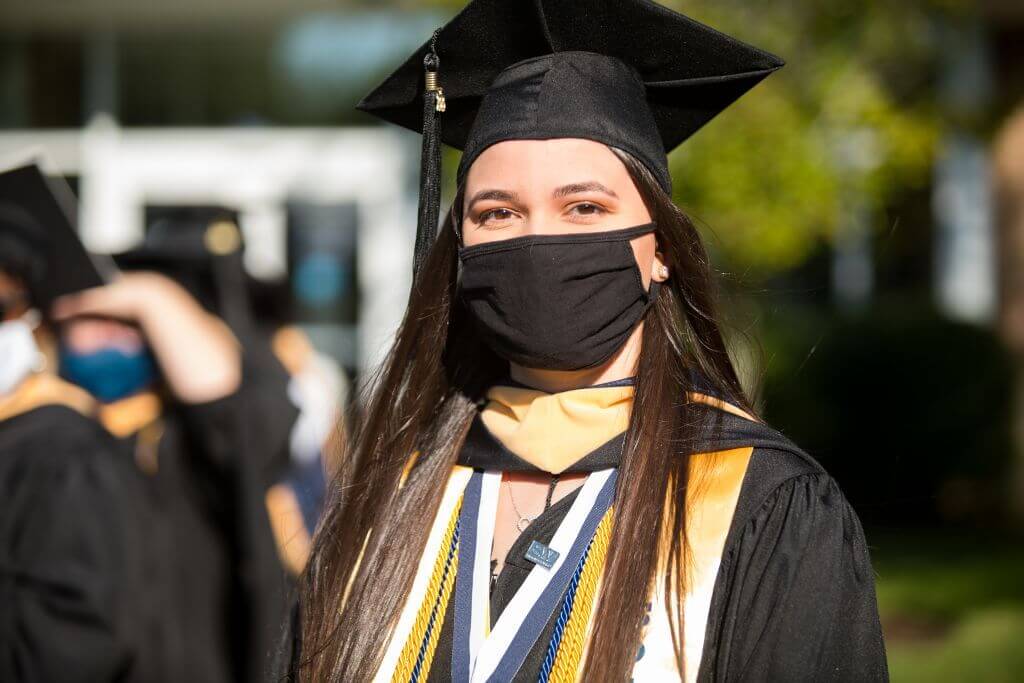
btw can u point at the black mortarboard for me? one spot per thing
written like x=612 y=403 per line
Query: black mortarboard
x=38 y=238
x=629 y=73
x=201 y=248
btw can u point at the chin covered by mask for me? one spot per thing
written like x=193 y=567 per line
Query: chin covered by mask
x=557 y=302
x=109 y=374
x=19 y=354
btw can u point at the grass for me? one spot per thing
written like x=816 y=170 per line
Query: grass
x=986 y=645
x=952 y=606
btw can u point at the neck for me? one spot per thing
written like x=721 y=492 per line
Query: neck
x=621 y=365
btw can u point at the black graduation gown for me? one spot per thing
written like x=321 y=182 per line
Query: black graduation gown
x=66 y=549
x=215 y=586
x=795 y=593
x=794 y=598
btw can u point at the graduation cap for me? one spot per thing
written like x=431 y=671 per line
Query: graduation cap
x=38 y=241
x=628 y=73
x=201 y=248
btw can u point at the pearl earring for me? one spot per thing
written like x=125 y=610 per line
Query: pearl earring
x=663 y=272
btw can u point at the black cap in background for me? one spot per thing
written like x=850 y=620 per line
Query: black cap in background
x=201 y=248
x=38 y=240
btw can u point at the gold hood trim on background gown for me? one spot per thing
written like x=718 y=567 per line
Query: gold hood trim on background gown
x=42 y=389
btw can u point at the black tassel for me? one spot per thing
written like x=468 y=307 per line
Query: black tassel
x=430 y=160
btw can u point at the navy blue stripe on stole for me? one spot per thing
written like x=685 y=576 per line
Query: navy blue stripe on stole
x=538 y=616
x=469 y=516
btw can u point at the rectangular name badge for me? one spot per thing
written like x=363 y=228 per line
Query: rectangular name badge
x=538 y=553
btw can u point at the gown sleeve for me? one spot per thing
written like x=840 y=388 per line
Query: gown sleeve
x=62 y=565
x=800 y=600
x=249 y=428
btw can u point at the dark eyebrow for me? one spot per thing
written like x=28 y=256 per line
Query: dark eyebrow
x=497 y=195
x=589 y=186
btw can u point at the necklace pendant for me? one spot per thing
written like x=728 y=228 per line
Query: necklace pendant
x=523 y=523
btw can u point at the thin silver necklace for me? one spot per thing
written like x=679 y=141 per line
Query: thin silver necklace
x=525 y=521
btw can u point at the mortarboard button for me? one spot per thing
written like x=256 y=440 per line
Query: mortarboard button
x=222 y=238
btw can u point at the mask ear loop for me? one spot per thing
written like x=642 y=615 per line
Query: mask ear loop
x=654 y=288
x=652 y=292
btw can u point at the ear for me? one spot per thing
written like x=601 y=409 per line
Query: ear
x=659 y=271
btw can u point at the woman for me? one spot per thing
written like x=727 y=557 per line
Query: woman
x=589 y=494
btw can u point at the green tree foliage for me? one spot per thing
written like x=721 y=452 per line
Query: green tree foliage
x=853 y=113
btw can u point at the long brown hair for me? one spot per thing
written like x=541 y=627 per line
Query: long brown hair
x=414 y=420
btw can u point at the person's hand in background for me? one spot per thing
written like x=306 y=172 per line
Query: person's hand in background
x=198 y=355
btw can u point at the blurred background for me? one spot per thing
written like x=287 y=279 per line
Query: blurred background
x=865 y=206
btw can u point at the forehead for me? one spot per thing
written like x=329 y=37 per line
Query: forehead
x=524 y=164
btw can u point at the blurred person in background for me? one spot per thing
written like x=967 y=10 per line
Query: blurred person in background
x=319 y=388
x=206 y=420
x=559 y=475
x=202 y=249
x=1008 y=172
x=69 y=547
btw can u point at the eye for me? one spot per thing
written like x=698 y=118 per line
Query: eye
x=498 y=215
x=587 y=209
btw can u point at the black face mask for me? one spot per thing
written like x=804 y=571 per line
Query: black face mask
x=556 y=302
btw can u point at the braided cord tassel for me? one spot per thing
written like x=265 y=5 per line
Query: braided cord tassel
x=418 y=651
x=563 y=618
x=573 y=638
